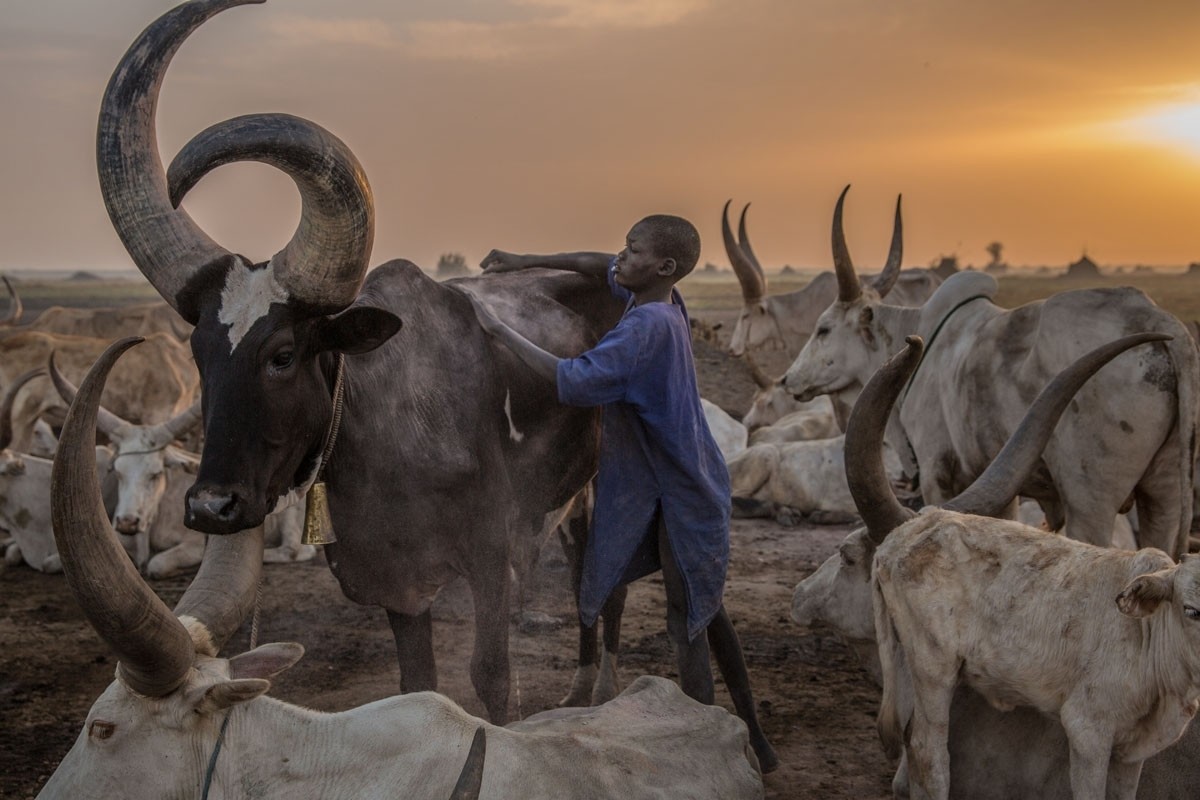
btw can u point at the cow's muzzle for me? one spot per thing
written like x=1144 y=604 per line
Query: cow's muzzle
x=218 y=510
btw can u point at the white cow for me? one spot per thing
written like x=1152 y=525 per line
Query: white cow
x=772 y=403
x=787 y=320
x=160 y=725
x=1132 y=430
x=795 y=478
x=1021 y=616
x=729 y=433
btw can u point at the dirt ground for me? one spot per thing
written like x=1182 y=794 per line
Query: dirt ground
x=816 y=704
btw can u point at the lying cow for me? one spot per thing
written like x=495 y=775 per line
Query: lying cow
x=772 y=402
x=1115 y=683
x=729 y=433
x=25 y=492
x=159 y=729
x=1133 y=431
x=152 y=477
x=795 y=479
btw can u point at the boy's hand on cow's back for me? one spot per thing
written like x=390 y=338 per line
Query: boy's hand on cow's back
x=487 y=319
x=501 y=261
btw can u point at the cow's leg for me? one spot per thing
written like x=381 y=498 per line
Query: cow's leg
x=1160 y=495
x=491 y=590
x=1091 y=749
x=1123 y=777
x=174 y=560
x=414 y=651
x=727 y=649
x=928 y=745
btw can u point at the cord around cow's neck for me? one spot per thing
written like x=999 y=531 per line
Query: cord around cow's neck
x=339 y=387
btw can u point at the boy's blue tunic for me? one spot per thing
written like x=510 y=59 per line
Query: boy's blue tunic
x=655 y=450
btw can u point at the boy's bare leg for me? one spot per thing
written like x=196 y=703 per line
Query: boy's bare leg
x=695 y=671
x=727 y=649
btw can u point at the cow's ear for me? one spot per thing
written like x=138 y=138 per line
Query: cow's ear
x=173 y=459
x=357 y=330
x=1143 y=595
x=265 y=661
x=226 y=694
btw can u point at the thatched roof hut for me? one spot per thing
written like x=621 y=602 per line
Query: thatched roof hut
x=1083 y=268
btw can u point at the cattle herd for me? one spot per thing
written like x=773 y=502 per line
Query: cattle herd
x=1015 y=660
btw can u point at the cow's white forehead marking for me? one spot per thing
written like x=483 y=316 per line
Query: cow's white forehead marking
x=247 y=297
x=513 y=433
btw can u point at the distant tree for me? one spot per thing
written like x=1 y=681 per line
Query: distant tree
x=994 y=249
x=451 y=265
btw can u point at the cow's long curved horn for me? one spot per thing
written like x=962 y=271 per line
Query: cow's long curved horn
x=849 y=289
x=324 y=263
x=744 y=244
x=154 y=648
x=470 y=780
x=891 y=270
x=222 y=594
x=15 y=307
x=112 y=425
x=991 y=492
x=868 y=480
x=754 y=286
x=761 y=380
x=6 y=404
x=165 y=243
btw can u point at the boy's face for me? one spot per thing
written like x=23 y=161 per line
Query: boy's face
x=639 y=267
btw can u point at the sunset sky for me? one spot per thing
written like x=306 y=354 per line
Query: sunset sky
x=549 y=125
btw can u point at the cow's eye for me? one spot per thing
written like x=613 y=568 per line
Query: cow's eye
x=1191 y=612
x=283 y=359
x=822 y=331
x=99 y=729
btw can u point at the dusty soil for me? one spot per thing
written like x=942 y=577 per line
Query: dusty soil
x=816 y=704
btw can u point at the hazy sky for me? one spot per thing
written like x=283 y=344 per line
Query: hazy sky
x=548 y=125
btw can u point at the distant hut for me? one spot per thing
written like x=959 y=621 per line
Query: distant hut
x=1083 y=268
x=83 y=275
x=1193 y=270
x=788 y=269
x=946 y=266
x=710 y=268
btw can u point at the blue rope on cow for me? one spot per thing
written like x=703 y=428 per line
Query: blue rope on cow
x=212 y=760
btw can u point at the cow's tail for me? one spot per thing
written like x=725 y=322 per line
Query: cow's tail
x=890 y=661
x=1186 y=360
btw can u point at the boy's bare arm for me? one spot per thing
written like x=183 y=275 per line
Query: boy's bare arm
x=591 y=264
x=543 y=363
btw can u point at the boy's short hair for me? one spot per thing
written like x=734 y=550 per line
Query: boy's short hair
x=674 y=237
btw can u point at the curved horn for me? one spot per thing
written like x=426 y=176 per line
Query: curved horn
x=166 y=244
x=324 y=263
x=179 y=425
x=6 y=405
x=15 y=308
x=761 y=380
x=744 y=244
x=891 y=270
x=470 y=780
x=112 y=425
x=222 y=594
x=849 y=289
x=992 y=491
x=754 y=285
x=869 y=484
x=154 y=648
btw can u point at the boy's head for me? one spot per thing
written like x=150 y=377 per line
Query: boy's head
x=659 y=249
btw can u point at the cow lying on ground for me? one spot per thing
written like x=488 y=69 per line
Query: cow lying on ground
x=25 y=492
x=729 y=433
x=1132 y=432
x=1022 y=617
x=793 y=480
x=157 y=727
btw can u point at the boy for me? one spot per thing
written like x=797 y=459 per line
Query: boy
x=662 y=494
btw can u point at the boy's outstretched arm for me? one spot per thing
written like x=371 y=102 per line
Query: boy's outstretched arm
x=592 y=264
x=543 y=363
